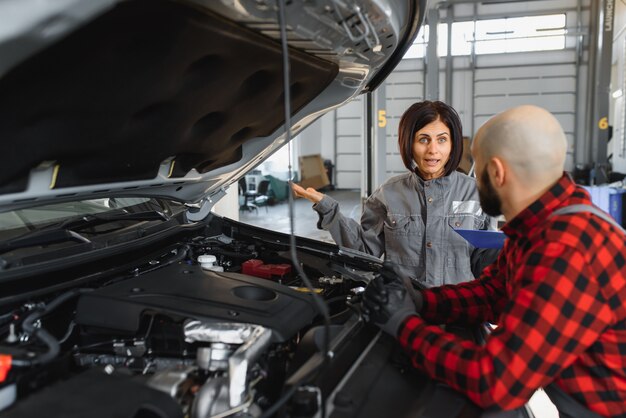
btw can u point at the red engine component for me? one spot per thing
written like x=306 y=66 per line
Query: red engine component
x=5 y=366
x=257 y=268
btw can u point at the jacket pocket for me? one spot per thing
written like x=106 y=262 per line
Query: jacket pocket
x=465 y=221
x=402 y=225
x=463 y=209
x=403 y=239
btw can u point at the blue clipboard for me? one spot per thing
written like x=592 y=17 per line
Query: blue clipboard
x=483 y=239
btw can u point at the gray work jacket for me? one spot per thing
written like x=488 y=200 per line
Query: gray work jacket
x=412 y=222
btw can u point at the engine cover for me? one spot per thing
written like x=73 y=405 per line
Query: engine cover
x=187 y=291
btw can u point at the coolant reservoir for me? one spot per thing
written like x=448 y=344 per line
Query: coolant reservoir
x=207 y=262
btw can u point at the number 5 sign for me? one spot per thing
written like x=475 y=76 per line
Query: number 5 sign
x=382 y=118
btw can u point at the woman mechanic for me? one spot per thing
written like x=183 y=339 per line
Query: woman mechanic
x=411 y=218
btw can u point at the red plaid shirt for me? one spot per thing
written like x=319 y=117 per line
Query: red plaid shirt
x=558 y=295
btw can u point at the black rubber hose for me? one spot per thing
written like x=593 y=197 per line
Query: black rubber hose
x=54 y=347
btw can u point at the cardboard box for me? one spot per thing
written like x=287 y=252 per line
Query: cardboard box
x=312 y=172
x=316 y=182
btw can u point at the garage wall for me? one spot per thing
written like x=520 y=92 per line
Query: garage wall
x=349 y=140
x=482 y=86
x=317 y=138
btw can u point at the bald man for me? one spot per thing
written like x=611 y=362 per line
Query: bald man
x=557 y=292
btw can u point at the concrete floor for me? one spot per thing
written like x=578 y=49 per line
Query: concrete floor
x=276 y=217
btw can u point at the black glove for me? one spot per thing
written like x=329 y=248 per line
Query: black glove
x=387 y=305
x=389 y=275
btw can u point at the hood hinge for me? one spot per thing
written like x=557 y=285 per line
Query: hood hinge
x=198 y=211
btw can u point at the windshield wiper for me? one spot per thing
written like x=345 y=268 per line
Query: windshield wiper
x=63 y=231
x=84 y=221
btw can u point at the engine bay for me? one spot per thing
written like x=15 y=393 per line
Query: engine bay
x=213 y=326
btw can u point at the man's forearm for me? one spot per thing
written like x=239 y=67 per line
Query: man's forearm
x=469 y=303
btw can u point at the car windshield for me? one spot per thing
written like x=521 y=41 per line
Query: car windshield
x=17 y=222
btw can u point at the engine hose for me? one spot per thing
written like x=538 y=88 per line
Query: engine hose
x=53 y=345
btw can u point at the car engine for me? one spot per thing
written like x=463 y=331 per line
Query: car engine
x=213 y=327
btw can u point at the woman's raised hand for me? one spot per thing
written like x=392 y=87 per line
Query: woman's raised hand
x=309 y=194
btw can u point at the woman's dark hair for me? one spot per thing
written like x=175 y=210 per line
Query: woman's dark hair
x=421 y=114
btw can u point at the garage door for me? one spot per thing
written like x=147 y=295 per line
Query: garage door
x=551 y=86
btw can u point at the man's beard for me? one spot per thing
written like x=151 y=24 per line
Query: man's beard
x=489 y=199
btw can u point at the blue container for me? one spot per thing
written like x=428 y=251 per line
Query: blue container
x=609 y=199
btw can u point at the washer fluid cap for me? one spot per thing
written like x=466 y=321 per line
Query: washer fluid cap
x=206 y=259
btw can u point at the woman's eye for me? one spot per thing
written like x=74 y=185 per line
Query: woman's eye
x=423 y=140
x=442 y=140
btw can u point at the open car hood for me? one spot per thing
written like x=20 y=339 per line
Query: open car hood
x=174 y=99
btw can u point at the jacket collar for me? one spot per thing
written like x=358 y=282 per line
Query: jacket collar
x=443 y=180
x=538 y=211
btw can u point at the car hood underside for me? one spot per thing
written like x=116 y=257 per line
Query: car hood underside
x=144 y=83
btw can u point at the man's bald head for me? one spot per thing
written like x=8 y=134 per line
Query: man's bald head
x=529 y=139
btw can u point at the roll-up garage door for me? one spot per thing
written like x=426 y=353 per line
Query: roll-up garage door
x=551 y=86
